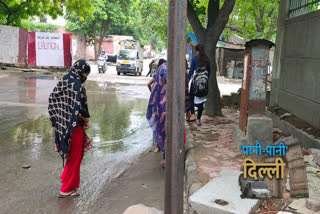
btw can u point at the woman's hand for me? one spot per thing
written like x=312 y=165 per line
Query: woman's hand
x=86 y=125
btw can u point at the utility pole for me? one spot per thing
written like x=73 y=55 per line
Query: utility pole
x=175 y=106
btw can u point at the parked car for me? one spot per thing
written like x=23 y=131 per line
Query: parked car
x=112 y=58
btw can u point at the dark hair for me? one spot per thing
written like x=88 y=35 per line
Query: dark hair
x=203 y=58
x=161 y=61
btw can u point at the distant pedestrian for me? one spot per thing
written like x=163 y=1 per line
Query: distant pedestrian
x=149 y=84
x=69 y=115
x=150 y=68
x=200 y=61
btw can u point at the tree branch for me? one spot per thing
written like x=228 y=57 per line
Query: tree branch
x=195 y=23
x=234 y=28
x=11 y=11
x=222 y=19
x=5 y=5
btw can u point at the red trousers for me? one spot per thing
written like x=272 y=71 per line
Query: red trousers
x=71 y=173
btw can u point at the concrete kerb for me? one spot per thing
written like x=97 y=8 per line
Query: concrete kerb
x=192 y=177
x=307 y=140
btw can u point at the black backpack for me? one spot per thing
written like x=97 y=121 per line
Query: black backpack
x=200 y=82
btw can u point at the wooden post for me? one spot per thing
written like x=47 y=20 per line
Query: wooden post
x=175 y=107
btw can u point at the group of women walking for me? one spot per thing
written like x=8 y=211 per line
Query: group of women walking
x=69 y=115
x=156 y=113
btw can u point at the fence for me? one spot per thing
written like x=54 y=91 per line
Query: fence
x=300 y=7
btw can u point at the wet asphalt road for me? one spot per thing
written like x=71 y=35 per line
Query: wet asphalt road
x=119 y=131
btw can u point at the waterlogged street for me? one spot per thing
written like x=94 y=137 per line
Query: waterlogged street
x=118 y=172
x=119 y=131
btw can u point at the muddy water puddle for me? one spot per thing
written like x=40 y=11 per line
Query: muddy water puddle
x=119 y=132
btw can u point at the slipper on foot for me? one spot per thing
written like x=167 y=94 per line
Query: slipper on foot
x=71 y=194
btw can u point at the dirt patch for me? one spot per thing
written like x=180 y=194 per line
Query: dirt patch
x=271 y=206
x=296 y=122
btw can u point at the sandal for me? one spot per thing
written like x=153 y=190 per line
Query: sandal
x=156 y=150
x=192 y=118
x=199 y=123
x=163 y=163
x=72 y=194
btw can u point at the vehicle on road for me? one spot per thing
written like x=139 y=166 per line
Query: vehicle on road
x=102 y=64
x=112 y=58
x=130 y=58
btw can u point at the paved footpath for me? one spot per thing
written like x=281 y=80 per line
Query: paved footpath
x=214 y=149
x=143 y=183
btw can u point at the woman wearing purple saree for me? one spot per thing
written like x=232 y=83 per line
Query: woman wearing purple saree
x=156 y=113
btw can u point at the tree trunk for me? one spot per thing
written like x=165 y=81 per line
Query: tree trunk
x=94 y=39
x=101 y=36
x=104 y=26
x=213 y=105
x=218 y=18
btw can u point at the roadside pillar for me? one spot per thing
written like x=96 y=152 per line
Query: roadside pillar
x=175 y=107
x=254 y=125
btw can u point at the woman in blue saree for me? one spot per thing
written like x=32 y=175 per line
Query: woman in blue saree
x=156 y=113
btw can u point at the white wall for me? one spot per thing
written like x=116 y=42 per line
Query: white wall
x=9 y=44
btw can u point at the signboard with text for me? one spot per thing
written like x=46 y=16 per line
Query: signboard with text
x=49 y=49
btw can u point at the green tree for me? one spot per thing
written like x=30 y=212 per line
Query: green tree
x=13 y=11
x=255 y=19
x=155 y=17
x=105 y=13
x=208 y=18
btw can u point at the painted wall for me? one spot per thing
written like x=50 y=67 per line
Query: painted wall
x=13 y=43
x=110 y=45
x=296 y=74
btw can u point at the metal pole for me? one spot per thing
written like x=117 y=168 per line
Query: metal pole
x=175 y=107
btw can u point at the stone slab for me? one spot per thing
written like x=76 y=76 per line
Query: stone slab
x=239 y=138
x=300 y=207
x=313 y=204
x=260 y=129
x=224 y=187
x=142 y=209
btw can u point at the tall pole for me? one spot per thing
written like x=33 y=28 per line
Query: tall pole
x=175 y=107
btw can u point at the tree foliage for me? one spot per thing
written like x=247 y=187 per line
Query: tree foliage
x=155 y=16
x=105 y=14
x=255 y=18
x=121 y=17
x=42 y=27
x=12 y=12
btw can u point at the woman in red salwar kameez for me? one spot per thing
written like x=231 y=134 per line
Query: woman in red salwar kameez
x=68 y=110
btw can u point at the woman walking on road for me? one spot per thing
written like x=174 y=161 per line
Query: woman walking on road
x=149 y=84
x=156 y=113
x=200 y=60
x=69 y=115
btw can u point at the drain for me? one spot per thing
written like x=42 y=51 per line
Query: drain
x=221 y=202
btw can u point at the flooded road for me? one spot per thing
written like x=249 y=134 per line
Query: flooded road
x=119 y=132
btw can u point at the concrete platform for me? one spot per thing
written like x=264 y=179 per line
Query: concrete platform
x=225 y=187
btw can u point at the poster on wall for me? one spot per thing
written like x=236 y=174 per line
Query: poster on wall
x=49 y=49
